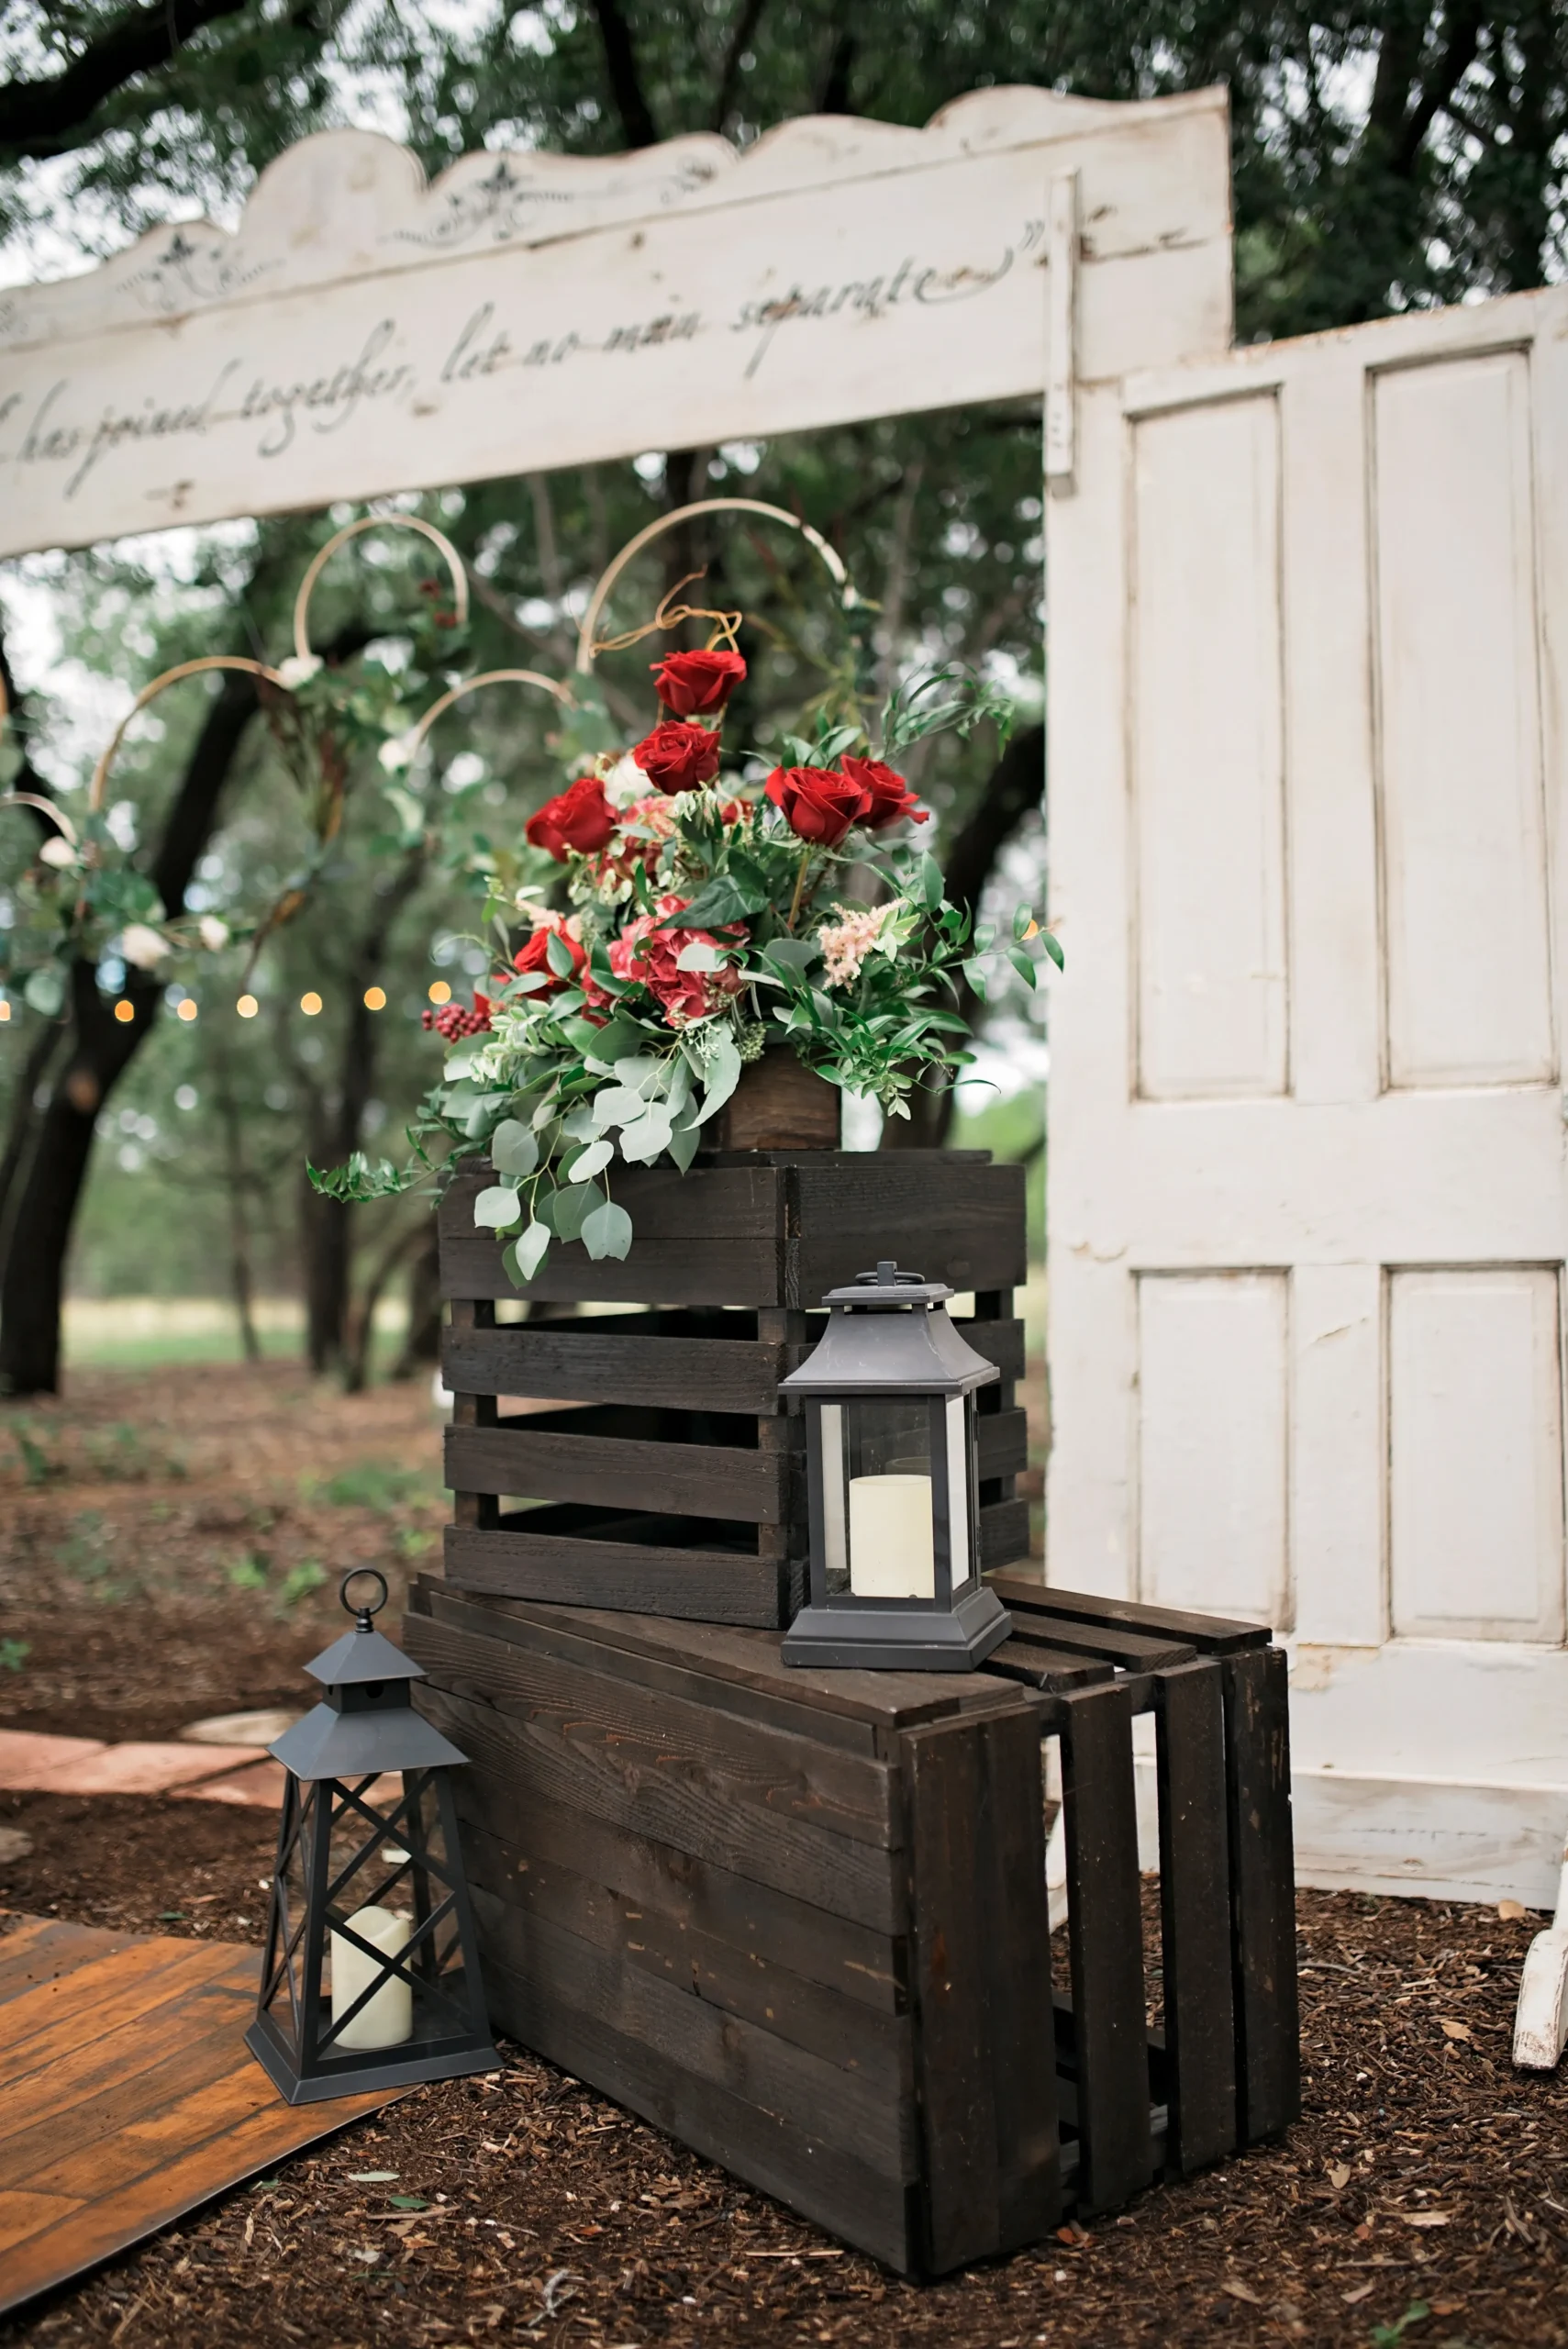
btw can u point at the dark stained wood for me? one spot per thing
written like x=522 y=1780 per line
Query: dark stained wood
x=1001 y=1342
x=770 y=1779
x=982 y=1965
x=608 y=1359
x=656 y=1272
x=127 y=2094
x=1134 y=1651
x=1207 y=1634
x=1004 y=1532
x=741 y=1201
x=552 y=1755
x=1002 y=1443
x=540 y=1458
x=1053 y=1669
x=739 y=1665
x=537 y=1558
x=1263 y=1893
x=965 y=1223
x=1105 y=1930
x=794 y=2163
x=1194 y=1896
x=779 y=1104
x=726 y=2050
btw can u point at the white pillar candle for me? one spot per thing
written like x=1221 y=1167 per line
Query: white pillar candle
x=387 y=2019
x=892 y=1543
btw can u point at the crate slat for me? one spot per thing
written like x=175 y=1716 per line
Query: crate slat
x=604 y=1359
x=1207 y=1635
x=571 y=1568
x=676 y=1479
x=1194 y=1901
x=1262 y=1892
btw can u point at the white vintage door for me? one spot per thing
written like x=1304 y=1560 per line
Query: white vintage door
x=1308 y=661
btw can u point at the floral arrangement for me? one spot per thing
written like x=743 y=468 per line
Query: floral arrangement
x=678 y=921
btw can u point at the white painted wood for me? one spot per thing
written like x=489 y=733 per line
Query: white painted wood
x=1213 y=1380
x=1339 y=1455
x=1406 y=1181
x=1475 y=1427
x=1061 y=383
x=1540 y=2024
x=1204 y=611
x=361 y=333
x=1464 y=857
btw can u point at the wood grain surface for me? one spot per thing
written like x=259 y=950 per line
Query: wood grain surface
x=127 y=2094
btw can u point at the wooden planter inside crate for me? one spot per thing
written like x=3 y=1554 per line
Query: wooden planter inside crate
x=799 y=1918
x=671 y=1481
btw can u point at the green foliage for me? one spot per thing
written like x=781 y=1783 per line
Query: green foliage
x=368 y=1484
x=37 y=1466
x=299 y=1582
x=13 y=1654
x=1389 y=2336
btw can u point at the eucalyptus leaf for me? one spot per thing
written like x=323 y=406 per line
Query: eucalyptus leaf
x=590 y=1162
x=721 y=1075
x=570 y=1204
x=606 y=1232
x=699 y=956
x=522 y=1257
x=650 y=1135
x=792 y=954
x=682 y=1142
x=497 y=1208
x=513 y=1150
x=618 y=1105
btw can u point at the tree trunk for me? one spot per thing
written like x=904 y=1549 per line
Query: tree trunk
x=422 y=1340
x=32 y=1286
x=237 y=1183
x=1014 y=788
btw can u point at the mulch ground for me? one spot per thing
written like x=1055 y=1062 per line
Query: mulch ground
x=1423 y=2198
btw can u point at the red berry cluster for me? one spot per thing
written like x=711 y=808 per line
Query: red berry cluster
x=454 y=1023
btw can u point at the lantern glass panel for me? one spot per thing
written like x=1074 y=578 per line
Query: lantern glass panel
x=960 y=1495
x=879 y=1523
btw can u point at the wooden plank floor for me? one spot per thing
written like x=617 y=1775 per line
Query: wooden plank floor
x=127 y=2094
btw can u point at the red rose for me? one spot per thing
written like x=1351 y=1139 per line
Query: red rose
x=678 y=758
x=650 y=953
x=535 y=955
x=580 y=818
x=693 y=684
x=890 y=794
x=818 y=803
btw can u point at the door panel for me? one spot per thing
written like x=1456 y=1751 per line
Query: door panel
x=1475 y=1454
x=1207 y=772
x=1469 y=993
x=1212 y=1381
x=1354 y=546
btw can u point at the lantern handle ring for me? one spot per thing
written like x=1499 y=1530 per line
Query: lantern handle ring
x=362 y=1614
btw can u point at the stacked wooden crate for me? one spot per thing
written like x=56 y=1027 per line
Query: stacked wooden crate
x=799 y=1918
x=668 y=1478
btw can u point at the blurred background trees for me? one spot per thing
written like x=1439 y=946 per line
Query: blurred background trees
x=1384 y=155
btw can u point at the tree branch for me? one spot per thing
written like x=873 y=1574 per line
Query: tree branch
x=626 y=83
x=43 y=117
x=739 y=41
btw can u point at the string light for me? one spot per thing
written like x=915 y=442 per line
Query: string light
x=247 y=1006
x=440 y=992
x=186 y=1009
x=375 y=998
x=310 y=1004
x=124 y=1010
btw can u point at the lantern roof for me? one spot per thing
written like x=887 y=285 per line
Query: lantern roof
x=889 y=1332
x=362 y=1655
x=331 y=1744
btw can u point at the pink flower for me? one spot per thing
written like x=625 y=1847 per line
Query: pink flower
x=648 y=952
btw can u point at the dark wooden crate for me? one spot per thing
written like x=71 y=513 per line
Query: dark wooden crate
x=798 y=1920
x=669 y=1478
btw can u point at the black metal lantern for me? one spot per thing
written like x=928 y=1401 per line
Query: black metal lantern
x=370 y=1975
x=889 y=1395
